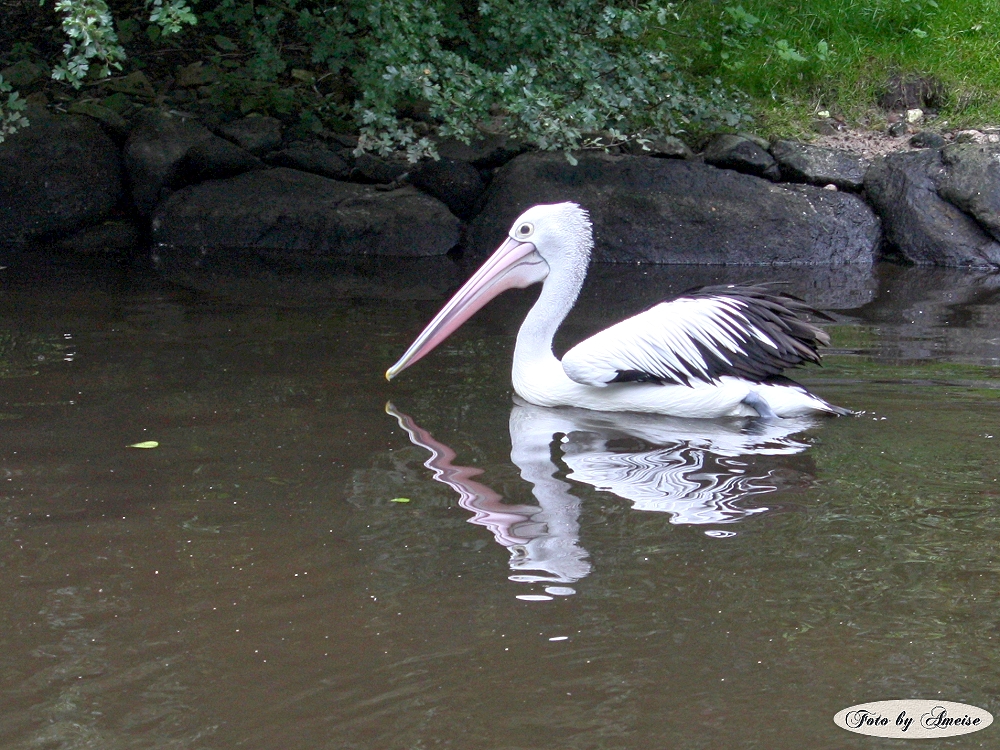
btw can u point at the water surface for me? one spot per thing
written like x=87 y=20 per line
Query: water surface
x=555 y=578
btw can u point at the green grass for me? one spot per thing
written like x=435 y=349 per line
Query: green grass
x=794 y=59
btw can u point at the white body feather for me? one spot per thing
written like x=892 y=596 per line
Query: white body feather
x=542 y=381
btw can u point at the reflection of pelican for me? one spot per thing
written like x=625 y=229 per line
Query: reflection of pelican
x=713 y=352
x=542 y=538
x=694 y=470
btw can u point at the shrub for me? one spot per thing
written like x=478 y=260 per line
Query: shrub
x=557 y=75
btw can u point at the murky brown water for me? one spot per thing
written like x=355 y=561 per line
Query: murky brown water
x=601 y=582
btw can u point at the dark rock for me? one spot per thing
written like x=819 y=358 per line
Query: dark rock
x=344 y=141
x=912 y=92
x=674 y=211
x=109 y=238
x=195 y=74
x=36 y=107
x=312 y=157
x=24 y=73
x=457 y=184
x=134 y=84
x=213 y=159
x=372 y=170
x=742 y=154
x=120 y=104
x=56 y=176
x=256 y=134
x=296 y=212
x=970 y=136
x=921 y=226
x=113 y=122
x=800 y=162
x=898 y=129
x=972 y=182
x=927 y=139
x=153 y=151
x=759 y=140
x=486 y=153
x=825 y=126
x=660 y=147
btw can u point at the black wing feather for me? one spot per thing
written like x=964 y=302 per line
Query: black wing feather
x=744 y=313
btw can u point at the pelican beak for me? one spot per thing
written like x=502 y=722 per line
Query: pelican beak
x=514 y=264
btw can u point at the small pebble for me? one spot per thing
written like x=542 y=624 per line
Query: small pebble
x=969 y=136
x=926 y=139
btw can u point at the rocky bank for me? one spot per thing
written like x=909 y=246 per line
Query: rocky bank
x=243 y=204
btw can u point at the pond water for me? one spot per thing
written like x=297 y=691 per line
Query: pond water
x=554 y=578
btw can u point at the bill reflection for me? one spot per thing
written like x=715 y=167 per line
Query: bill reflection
x=697 y=471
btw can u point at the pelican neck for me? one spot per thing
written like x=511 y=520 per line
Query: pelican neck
x=534 y=340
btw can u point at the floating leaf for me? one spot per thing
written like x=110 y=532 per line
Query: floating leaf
x=145 y=444
x=400 y=500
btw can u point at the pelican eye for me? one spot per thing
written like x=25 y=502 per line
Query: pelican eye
x=524 y=230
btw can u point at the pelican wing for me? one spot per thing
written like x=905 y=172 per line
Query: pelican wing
x=746 y=331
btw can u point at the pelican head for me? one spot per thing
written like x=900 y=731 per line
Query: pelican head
x=551 y=239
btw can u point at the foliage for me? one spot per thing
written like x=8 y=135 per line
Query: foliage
x=11 y=111
x=580 y=74
x=92 y=38
x=568 y=75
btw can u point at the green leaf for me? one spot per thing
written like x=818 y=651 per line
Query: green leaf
x=400 y=500
x=224 y=43
x=145 y=444
x=787 y=52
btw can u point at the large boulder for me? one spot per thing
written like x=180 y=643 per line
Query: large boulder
x=919 y=224
x=313 y=157
x=289 y=211
x=153 y=152
x=375 y=171
x=109 y=238
x=972 y=182
x=57 y=175
x=457 y=184
x=659 y=147
x=213 y=159
x=801 y=162
x=674 y=211
x=742 y=154
x=488 y=152
x=255 y=133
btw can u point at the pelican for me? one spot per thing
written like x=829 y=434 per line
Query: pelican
x=711 y=352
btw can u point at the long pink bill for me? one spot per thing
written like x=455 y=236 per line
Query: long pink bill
x=514 y=264
x=488 y=508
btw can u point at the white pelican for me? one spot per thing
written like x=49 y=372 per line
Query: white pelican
x=711 y=352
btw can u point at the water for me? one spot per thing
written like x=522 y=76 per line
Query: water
x=554 y=579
